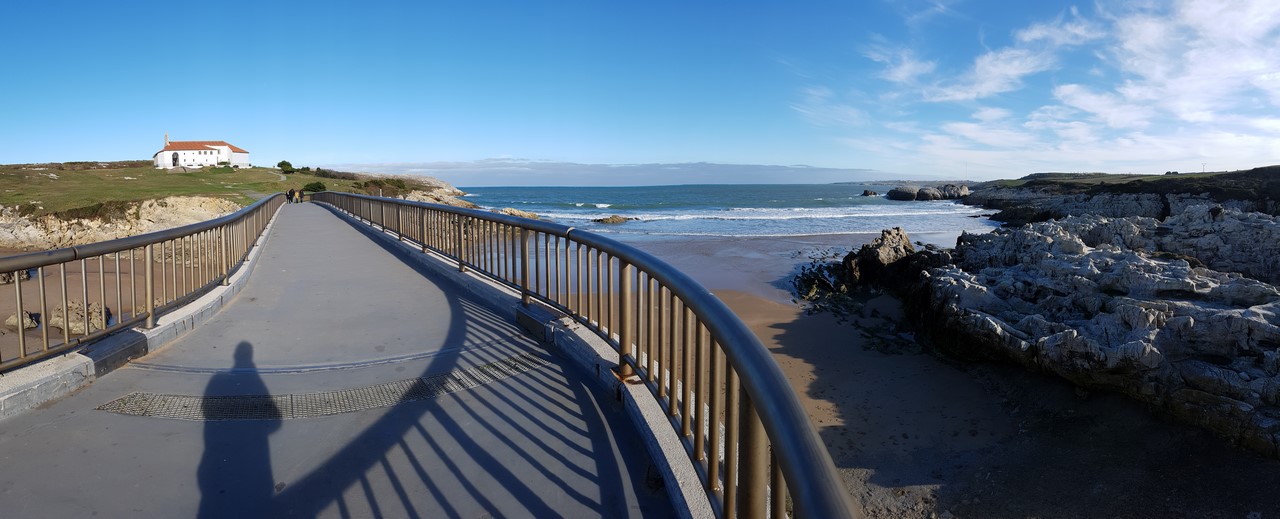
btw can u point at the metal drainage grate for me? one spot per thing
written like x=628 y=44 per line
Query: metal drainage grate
x=310 y=405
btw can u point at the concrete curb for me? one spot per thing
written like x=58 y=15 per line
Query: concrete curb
x=54 y=378
x=589 y=353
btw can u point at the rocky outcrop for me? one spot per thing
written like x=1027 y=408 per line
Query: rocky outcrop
x=1020 y=206
x=444 y=195
x=510 y=211
x=870 y=262
x=1084 y=299
x=942 y=192
x=614 y=219
x=49 y=232
x=904 y=193
x=868 y=192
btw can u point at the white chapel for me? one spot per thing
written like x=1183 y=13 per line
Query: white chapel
x=197 y=154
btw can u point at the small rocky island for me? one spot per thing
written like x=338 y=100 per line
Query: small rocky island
x=1163 y=291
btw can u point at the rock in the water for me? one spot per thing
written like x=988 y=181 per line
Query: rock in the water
x=446 y=195
x=511 y=211
x=28 y=322
x=613 y=219
x=928 y=193
x=77 y=318
x=868 y=192
x=953 y=191
x=943 y=192
x=902 y=193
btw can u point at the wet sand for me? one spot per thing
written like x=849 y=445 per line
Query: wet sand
x=918 y=436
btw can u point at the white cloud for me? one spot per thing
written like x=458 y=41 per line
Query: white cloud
x=1201 y=60
x=901 y=65
x=1061 y=33
x=1110 y=108
x=989 y=134
x=994 y=72
x=1147 y=88
x=988 y=114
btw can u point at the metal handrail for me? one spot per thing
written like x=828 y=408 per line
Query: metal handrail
x=741 y=423
x=190 y=259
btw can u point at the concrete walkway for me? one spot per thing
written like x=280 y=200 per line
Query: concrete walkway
x=341 y=382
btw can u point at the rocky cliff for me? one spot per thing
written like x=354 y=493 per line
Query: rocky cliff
x=1042 y=197
x=1085 y=299
x=18 y=232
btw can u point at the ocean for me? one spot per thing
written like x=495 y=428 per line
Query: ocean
x=734 y=210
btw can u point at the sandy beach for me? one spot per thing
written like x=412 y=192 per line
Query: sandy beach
x=918 y=436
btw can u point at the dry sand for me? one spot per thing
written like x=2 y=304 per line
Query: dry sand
x=916 y=436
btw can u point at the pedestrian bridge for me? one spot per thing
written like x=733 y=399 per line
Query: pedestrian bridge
x=369 y=357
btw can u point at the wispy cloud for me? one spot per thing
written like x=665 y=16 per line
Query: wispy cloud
x=994 y=72
x=901 y=65
x=1060 y=32
x=1145 y=87
x=819 y=105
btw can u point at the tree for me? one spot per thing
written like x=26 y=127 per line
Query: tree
x=314 y=187
x=285 y=167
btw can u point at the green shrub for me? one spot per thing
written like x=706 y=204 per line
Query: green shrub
x=314 y=187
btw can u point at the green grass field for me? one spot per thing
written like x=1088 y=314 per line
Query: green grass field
x=84 y=189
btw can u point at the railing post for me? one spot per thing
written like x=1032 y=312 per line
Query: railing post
x=625 y=335
x=22 y=329
x=753 y=455
x=151 y=287
x=222 y=253
x=399 y=224
x=458 y=243
x=524 y=267
x=422 y=228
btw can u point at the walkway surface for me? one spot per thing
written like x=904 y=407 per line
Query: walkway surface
x=341 y=382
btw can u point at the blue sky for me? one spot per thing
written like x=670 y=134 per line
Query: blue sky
x=472 y=91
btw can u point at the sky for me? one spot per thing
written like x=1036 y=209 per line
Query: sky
x=658 y=92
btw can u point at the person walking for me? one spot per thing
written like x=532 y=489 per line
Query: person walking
x=290 y=195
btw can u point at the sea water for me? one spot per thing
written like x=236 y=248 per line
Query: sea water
x=735 y=210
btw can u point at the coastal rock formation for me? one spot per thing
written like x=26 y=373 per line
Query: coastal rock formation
x=49 y=232
x=905 y=193
x=1226 y=240
x=872 y=260
x=511 y=211
x=612 y=219
x=75 y=318
x=444 y=195
x=942 y=192
x=1080 y=298
x=868 y=192
x=1020 y=206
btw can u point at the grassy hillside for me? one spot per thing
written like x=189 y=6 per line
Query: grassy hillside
x=87 y=189
x=1261 y=182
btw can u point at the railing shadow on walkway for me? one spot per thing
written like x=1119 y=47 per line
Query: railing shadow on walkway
x=395 y=450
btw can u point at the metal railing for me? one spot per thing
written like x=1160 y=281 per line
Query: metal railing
x=740 y=421
x=83 y=291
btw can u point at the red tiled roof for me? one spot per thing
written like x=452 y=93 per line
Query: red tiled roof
x=199 y=145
